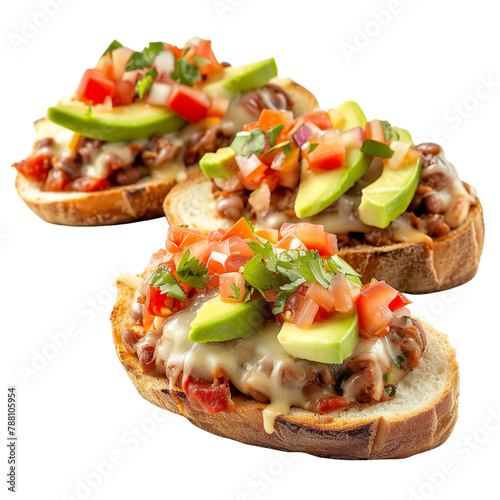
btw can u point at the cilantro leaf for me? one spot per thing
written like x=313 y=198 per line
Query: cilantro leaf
x=389 y=133
x=143 y=86
x=249 y=295
x=236 y=291
x=186 y=73
x=115 y=44
x=200 y=61
x=285 y=145
x=165 y=281
x=273 y=133
x=192 y=272
x=239 y=141
x=265 y=247
x=390 y=391
x=258 y=276
x=282 y=299
x=255 y=143
x=312 y=147
x=145 y=58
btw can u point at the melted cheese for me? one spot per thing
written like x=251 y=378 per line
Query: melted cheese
x=44 y=128
x=257 y=364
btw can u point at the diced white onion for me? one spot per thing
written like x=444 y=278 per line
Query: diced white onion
x=164 y=62
x=159 y=94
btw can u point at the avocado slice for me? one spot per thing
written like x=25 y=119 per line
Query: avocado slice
x=318 y=190
x=218 y=164
x=329 y=341
x=390 y=195
x=241 y=79
x=123 y=123
x=218 y=321
x=141 y=121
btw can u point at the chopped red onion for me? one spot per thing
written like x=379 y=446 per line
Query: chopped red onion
x=301 y=135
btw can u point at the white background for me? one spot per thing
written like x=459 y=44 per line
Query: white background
x=420 y=64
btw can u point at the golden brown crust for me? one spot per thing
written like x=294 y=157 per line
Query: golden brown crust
x=409 y=267
x=414 y=428
x=111 y=206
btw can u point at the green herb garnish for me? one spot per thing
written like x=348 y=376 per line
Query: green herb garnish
x=115 y=44
x=378 y=149
x=390 y=391
x=200 y=61
x=191 y=271
x=389 y=132
x=165 y=281
x=186 y=73
x=273 y=133
x=255 y=143
x=236 y=291
x=145 y=58
x=312 y=147
x=143 y=86
x=285 y=145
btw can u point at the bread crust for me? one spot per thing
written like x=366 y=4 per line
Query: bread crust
x=118 y=205
x=382 y=435
x=408 y=267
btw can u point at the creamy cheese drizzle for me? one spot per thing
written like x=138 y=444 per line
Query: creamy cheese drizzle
x=256 y=365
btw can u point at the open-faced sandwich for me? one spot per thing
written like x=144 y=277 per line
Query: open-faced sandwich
x=110 y=152
x=268 y=337
x=400 y=211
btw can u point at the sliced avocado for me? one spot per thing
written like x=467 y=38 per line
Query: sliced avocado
x=123 y=123
x=330 y=341
x=240 y=79
x=218 y=164
x=218 y=321
x=318 y=190
x=390 y=195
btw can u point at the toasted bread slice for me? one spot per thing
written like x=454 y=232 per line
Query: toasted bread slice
x=419 y=418
x=409 y=267
x=116 y=205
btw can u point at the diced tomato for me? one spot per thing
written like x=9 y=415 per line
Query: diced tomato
x=313 y=236
x=159 y=304
x=399 y=302
x=216 y=263
x=173 y=48
x=329 y=153
x=332 y=403
x=323 y=297
x=209 y=398
x=270 y=118
x=124 y=93
x=88 y=184
x=250 y=167
x=182 y=237
x=34 y=167
x=305 y=313
x=250 y=126
x=323 y=315
x=221 y=247
x=373 y=308
x=235 y=262
x=374 y=131
x=226 y=283
x=218 y=107
x=318 y=118
x=238 y=246
x=200 y=250
x=270 y=295
x=242 y=229
x=341 y=291
x=267 y=233
x=95 y=87
x=212 y=283
x=271 y=179
x=216 y=235
x=57 y=180
x=290 y=242
x=189 y=103
x=204 y=50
